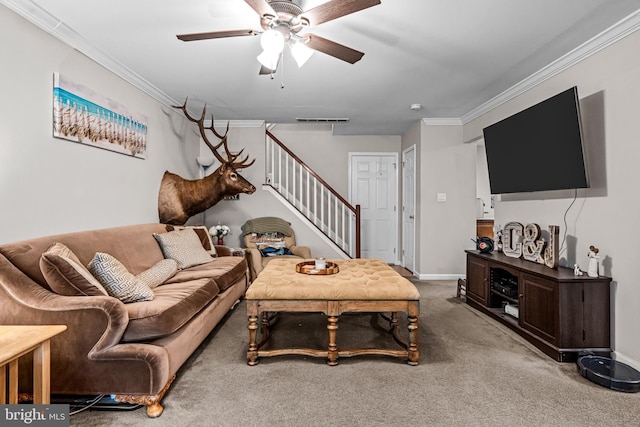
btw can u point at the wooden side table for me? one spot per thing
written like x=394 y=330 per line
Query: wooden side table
x=15 y=342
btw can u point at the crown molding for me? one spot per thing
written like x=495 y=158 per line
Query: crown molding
x=52 y=25
x=606 y=38
x=442 y=122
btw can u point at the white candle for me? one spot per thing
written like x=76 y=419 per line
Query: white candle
x=320 y=264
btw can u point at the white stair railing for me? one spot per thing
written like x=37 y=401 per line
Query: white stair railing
x=310 y=195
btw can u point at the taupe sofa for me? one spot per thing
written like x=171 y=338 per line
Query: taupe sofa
x=129 y=350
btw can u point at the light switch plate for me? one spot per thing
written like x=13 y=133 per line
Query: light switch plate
x=442 y=197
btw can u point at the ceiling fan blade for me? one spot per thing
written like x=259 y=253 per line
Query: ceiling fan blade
x=262 y=7
x=216 y=35
x=333 y=49
x=335 y=9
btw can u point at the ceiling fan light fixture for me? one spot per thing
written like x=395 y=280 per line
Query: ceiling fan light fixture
x=272 y=41
x=300 y=52
x=269 y=59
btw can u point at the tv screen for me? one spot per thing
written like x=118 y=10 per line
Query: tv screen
x=537 y=149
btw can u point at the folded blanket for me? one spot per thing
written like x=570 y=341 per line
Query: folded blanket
x=267 y=224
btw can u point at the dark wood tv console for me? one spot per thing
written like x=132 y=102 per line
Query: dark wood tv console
x=558 y=312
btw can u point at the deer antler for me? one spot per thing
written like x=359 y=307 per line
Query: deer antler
x=242 y=163
x=202 y=128
x=231 y=158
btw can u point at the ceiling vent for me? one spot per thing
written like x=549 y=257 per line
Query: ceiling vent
x=321 y=120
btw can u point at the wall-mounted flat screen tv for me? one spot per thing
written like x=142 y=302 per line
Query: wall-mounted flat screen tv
x=538 y=149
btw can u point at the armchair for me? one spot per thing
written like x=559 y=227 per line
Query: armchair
x=263 y=235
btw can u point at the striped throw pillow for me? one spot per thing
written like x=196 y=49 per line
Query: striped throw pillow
x=117 y=280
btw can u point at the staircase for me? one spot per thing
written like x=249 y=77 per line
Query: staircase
x=299 y=187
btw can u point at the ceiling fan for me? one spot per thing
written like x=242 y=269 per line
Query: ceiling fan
x=283 y=21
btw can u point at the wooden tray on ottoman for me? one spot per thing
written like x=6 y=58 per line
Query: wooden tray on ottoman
x=309 y=267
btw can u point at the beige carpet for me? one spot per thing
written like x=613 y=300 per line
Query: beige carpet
x=473 y=372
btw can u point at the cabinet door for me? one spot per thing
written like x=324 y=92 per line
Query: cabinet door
x=539 y=306
x=477 y=279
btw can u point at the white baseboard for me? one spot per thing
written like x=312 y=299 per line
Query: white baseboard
x=441 y=276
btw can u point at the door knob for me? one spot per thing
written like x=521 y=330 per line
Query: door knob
x=410 y=216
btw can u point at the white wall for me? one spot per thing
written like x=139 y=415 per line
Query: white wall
x=609 y=89
x=447 y=166
x=50 y=185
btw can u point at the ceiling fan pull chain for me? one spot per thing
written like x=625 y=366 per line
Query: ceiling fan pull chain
x=282 y=73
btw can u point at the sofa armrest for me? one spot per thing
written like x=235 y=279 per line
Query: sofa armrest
x=227 y=251
x=223 y=250
x=93 y=322
x=301 y=251
x=255 y=261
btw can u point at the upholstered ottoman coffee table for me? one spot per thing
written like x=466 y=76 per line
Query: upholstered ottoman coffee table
x=361 y=285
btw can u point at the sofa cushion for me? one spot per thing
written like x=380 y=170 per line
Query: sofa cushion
x=203 y=235
x=117 y=280
x=224 y=270
x=66 y=275
x=183 y=246
x=159 y=273
x=173 y=306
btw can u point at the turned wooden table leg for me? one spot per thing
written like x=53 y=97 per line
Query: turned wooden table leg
x=252 y=352
x=332 y=353
x=264 y=322
x=412 y=325
x=394 y=322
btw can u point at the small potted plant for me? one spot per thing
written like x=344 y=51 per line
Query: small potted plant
x=220 y=231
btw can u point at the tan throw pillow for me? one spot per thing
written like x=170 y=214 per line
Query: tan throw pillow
x=159 y=273
x=184 y=247
x=66 y=275
x=117 y=280
x=203 y=235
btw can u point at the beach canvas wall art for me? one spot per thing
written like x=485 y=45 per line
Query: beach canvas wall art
x=83 y=116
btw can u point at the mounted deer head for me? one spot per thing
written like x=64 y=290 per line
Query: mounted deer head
x=180 y=199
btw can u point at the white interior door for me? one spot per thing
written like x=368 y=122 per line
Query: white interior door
x=374 y=188
x=409 y=208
